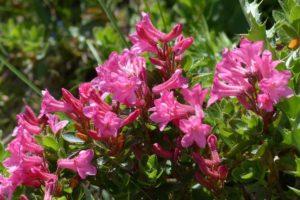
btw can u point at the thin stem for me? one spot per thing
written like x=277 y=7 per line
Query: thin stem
x=113 y=21
x=161 y=14
x=20 y=75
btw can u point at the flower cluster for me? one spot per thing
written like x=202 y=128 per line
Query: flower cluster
x=120 y=95
x=249 y=73
x=26 y=164
x=187 y=117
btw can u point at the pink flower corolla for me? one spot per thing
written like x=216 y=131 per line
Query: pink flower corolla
x=123 y=76
x=248 y=53
x=69 y=105
x=50 y=188
x=242 y=69
x=276 y=86
x=195 y=97
x=147 y=36
x=195 y=131
x=264 y=102
x=167 y=109
x=81 y=164
x=55 y=124
x=23 y=143
x=107 y=124
x=50 y=104
x=7 y=188
x=28 y=121
x=85 y=90
x=181 y=45
x=176 y=81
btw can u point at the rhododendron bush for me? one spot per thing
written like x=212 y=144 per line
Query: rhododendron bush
x=145 y=128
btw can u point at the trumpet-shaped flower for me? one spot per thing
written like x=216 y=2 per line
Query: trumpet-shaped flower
x=147 y=36
x=123 y=76
x=195 y=97
x=242 y=69
x=81 y=163
x=195 y=131
x=167 y=109
x=176 y=81
x=55 y=124
x=277 y=86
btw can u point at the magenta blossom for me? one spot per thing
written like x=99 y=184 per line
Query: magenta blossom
x=265 y=103
x=147 y=36
x=194 y=131
x=277 y=86
x=81 y=163
x=167 y=109
x=242 y=69
x=55 y=124
x=195 y=97
x=123 y=76
x=7 y=188
x=50 y=104
x=107 y=124
x=176 y=81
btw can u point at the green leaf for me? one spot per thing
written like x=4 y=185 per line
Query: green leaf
x=87 y=193
x=3 y=154
x=297 y=171
x=292 y=138
x=71 y=137
x=290 y=106
x=50 y=142
x=248 y=171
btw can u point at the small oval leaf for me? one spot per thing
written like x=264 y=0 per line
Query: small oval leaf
x=70 y=137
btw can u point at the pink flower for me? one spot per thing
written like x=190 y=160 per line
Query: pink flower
x=195 y=97
x=28 y=121
x=85 y=90
x=81 y=163
x=7 y=188
x=265 y=65
x=221 y=89
x=194 y=131
x=147 y=36
x=182 y=45
x=74 y=103
x=107 y=124
x=276 y=86
x=50 y=188
x=123 y=76
x=167 y=109
x=248 y=53
x=242 y=69
x=265 y=103
x=131 y=117
x=55 y=124
x=50 y=104
x=176 y=81
x=24 y=142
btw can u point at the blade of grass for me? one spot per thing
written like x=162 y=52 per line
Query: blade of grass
x=20 y=75
x=161 y=14
x=113 y=21
x=94 y=51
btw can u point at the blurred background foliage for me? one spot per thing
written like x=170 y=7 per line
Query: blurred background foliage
x=58 y=44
